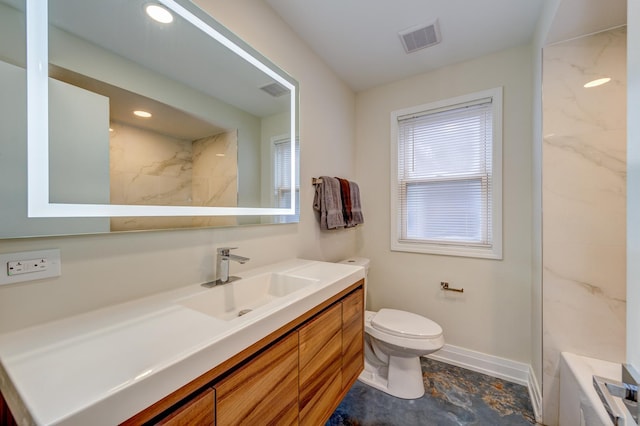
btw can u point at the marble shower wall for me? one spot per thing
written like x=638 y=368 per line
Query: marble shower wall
x=154 y=169
x=583 y=204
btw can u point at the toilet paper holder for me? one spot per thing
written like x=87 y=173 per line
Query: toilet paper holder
x=445 y=286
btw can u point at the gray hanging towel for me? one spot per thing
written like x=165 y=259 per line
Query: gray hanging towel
x=328 y=202
x=356 y=207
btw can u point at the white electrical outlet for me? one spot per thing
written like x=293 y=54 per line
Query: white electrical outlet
x=29 y=265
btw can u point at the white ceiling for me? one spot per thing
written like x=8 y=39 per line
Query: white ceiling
x=359 y=39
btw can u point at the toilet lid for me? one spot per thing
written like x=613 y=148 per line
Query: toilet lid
x=405 y=324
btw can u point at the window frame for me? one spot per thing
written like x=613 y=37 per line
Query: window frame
x=397 y=209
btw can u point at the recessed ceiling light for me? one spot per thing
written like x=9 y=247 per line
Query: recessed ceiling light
x=142 y=114
x=598 y=82
x=159 y=13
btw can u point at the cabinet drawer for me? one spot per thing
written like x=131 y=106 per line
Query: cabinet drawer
x=320 y=366
x=198 y=412
x=264 y=391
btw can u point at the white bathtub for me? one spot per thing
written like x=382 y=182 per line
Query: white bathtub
x=579 y=402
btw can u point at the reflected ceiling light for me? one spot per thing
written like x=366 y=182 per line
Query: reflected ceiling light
x=159 y=13
x=598 y=82
x=219 y=155
x=142 y=114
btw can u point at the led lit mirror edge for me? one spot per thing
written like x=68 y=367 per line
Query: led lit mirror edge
x=38 y=204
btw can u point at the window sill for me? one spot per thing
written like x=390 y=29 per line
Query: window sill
x=449 y=250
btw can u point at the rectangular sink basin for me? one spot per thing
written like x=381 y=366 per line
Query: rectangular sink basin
x=234 y=299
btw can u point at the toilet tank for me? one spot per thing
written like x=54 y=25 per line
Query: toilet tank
x=364 y=262
x=359 y=261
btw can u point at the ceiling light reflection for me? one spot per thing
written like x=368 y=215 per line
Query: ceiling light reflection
x=142 y=114
x=597 y=82
x=159 y=13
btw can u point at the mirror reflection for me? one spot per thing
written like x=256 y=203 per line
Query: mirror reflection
x=157 y=155
x=144 y=112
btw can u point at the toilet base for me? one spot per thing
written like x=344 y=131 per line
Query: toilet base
x=401 y=378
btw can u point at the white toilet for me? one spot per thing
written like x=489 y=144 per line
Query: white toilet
x=394 y=342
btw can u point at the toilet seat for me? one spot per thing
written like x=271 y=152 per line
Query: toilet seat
x=390 y=331
x=405 y=324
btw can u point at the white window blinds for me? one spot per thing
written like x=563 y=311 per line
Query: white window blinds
x=445 y=175
x=282 y=178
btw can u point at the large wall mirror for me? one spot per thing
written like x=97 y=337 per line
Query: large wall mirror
x=138 y=114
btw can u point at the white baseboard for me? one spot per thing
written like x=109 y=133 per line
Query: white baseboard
x=501 y=368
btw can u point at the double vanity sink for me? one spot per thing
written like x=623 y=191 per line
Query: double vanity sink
x=105 y=366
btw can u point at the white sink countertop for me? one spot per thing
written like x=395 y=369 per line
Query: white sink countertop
x=104 y=366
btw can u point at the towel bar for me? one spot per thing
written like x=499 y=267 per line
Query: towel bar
x=316 y=181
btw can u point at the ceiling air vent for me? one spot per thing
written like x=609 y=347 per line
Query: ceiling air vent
x=416 y=38
x=275 y=89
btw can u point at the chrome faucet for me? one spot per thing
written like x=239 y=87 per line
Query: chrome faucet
x=222 y=265
x=626 y=390
x=631 y=380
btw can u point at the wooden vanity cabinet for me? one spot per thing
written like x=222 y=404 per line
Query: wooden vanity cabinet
x=352 y=337
x=263 y=391
x=297 y=375
x=331 y=357
x=320 y=366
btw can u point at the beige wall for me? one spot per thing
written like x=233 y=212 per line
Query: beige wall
x=107 y=269
x=493 y=315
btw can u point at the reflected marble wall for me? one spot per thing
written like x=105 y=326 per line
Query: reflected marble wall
x=215 y=176
x=154 y=169
x=583 y=204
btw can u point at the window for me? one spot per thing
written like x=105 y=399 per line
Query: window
x=446 y=183
x=282 y=178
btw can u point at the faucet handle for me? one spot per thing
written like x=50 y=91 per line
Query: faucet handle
x=224 y=251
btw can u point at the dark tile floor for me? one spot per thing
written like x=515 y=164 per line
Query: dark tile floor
x=454 y=396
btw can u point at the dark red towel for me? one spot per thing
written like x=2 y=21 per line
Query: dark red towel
x=345 y=191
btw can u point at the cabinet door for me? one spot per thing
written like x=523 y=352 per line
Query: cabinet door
x=320 y=366
x=264 y=391
x=352 y=337
x=198 y=412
